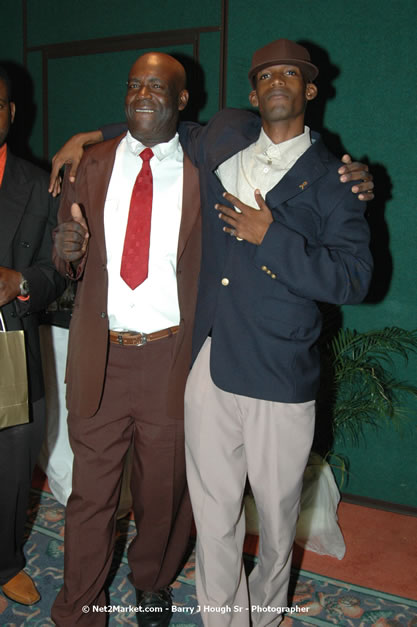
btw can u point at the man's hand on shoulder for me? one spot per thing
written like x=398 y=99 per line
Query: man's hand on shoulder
x=71 y=238
x=356 y=171
x=70 y=153
x=9 y=285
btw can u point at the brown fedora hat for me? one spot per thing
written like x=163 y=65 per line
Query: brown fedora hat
x=283 y=51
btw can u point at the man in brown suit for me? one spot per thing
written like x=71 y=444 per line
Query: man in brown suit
x=127 y=368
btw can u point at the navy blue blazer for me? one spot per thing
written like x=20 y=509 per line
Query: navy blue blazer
x=265 y=322
x=263 y=318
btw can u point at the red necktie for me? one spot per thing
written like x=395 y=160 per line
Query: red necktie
x=135 y=257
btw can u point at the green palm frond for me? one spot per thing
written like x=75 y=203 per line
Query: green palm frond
x=378 y=344
x=363 y=389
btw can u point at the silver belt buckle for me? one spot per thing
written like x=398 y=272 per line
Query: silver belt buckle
x=143 y=339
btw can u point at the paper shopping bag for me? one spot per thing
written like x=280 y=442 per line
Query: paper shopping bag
x=14 y=408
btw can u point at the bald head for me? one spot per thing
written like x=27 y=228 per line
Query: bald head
x=155 y=95
x=160 y=59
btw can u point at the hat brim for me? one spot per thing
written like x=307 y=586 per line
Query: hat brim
x=309 y=70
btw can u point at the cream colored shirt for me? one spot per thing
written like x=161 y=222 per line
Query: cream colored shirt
x=153 y=305
x=261 y=165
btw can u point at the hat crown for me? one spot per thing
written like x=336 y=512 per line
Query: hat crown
x=283 y=51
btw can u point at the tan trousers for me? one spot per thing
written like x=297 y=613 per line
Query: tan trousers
x=227 y=438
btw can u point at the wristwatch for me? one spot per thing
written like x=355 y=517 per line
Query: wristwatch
x=24 y=287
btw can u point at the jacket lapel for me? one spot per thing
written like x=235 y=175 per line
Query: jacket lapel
x=98 y=173
x=306 y=170
x=190 y=204
x=14 y=196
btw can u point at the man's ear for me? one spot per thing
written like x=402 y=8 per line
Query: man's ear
x=183 y=99
x=253 y=98
x=311 y=91
x=12 y=111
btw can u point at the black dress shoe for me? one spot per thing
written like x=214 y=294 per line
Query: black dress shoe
x=155 y=607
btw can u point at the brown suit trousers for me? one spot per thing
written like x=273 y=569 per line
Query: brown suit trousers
x=132 y=412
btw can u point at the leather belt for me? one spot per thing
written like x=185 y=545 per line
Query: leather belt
x=130 y=338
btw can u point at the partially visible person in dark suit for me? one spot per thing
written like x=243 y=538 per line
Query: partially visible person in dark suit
x=28 y=283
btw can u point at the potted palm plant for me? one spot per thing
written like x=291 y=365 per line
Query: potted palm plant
x=358 y=389
x=361 y=385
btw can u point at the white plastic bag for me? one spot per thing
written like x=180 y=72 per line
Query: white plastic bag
x=317 y=527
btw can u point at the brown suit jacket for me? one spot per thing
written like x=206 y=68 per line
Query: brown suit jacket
x=88 y=338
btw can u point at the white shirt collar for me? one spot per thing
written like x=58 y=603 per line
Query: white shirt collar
x=170 y=148
x=285 y=151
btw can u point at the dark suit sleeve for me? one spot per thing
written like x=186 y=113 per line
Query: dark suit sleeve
x=335 y=266
x=45 y=284
x=109 y=131
x=192 y=137
x=209 y=145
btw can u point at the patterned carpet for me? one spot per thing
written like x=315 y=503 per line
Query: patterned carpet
x=328 y=602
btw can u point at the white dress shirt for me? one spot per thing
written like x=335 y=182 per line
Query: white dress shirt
x=261 y=166
x=153 y=305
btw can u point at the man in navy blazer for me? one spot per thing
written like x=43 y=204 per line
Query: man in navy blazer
x=289 y=234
